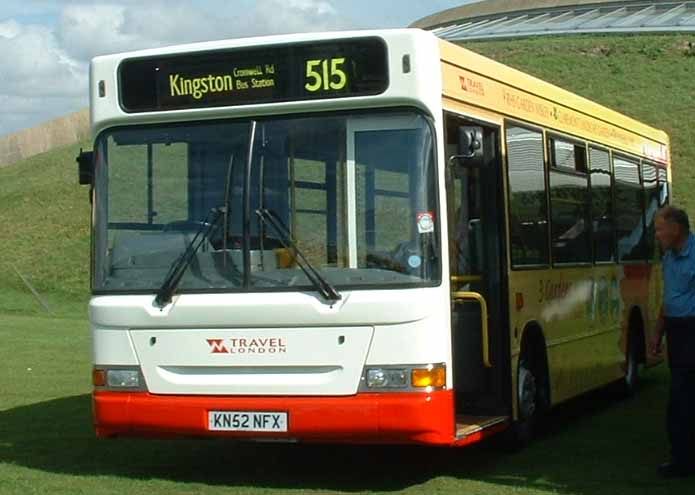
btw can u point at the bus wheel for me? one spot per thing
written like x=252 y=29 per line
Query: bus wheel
x=631 y=379
x=527 y=401
x=528 y=392
x=529 y=406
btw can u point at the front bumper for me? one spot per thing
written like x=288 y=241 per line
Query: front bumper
x=422 y=418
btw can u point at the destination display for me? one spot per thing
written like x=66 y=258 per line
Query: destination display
x=317 y=70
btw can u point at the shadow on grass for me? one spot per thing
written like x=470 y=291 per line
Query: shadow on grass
x=575 y=454
x=56 y=436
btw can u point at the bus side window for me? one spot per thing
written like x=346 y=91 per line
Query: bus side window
x=569 y=203
x=602 y=206
x=528 y=207
x=629 y=210
x=663 y=188
x=651 y=206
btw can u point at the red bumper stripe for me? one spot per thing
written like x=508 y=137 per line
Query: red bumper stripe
x=363 y=418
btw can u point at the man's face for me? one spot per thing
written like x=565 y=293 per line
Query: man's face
x=667 y=233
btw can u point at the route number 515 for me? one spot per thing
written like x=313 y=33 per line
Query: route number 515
x=325 y=75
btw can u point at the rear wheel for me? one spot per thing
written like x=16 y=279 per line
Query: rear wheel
x=631 y=380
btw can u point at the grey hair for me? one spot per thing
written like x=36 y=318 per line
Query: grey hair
x=675 y=215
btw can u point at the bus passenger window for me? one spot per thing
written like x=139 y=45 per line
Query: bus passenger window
x=651 y=206
x=602 y=206
x=663 y=188
x=569 y=203
x=527 y=197
x=628 y=210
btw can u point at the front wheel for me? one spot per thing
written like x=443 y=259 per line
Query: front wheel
x=529 y=406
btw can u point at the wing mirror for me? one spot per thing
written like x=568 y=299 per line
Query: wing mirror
x=470 y=147
x=85 y=167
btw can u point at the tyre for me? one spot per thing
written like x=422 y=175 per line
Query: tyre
x=531 y=403
x=631 y=380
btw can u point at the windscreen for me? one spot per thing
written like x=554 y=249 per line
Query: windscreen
x=355 y=193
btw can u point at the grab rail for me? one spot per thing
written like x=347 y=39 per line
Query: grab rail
x=463 y=296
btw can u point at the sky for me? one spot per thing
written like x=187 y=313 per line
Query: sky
x=46 y=45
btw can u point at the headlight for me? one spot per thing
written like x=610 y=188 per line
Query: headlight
x=122 y=378
x=404 y=378
x=387 y=378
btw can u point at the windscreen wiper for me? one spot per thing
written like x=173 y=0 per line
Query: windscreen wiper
x=181 y=263
x=323 y=286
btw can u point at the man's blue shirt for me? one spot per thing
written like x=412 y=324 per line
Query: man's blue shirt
x=679 y=280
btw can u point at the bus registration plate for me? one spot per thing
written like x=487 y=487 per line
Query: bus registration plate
x=247 y=421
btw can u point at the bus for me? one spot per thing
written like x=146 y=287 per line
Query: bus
x=360 y=237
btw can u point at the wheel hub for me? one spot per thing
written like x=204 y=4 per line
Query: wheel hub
x=527 y=393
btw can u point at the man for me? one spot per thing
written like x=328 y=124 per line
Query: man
x=677 y=321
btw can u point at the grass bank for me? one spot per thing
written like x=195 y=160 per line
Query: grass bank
x=595 y=445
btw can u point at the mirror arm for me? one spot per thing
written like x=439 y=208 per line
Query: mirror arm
x=454 y=158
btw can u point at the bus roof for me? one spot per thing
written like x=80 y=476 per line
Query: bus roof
x=417 y=40
x=533 y=86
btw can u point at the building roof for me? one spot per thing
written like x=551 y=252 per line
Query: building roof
x=494 y=7
x=514 y=18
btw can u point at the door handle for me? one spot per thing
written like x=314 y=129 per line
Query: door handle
x=464 y=296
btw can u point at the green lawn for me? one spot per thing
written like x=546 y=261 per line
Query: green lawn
x=44 y=216
x=596 y=445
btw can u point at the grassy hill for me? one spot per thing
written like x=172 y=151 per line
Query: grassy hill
x=44 y=232
x=44 y=214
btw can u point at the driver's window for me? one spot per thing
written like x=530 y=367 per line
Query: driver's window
x=161 y=177
x=169 y=182
x=124 y=179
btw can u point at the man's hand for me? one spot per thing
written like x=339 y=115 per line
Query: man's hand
x=655 y=344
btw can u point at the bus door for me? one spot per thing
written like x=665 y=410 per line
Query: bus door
x=480 y=337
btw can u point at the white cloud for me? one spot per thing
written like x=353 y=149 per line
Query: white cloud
x=86 y=30
x=318 y=6
x=9 y=29
x=33 y=64
x=43 y=62
x=294 y=16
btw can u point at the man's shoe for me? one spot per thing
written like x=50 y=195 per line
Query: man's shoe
x=675 y=470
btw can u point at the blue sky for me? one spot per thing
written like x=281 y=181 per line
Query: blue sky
x=46 y=45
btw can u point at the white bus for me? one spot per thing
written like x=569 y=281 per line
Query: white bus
x=277 y=250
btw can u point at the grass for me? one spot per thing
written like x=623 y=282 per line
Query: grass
x=44 y=216
x=595 y=445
